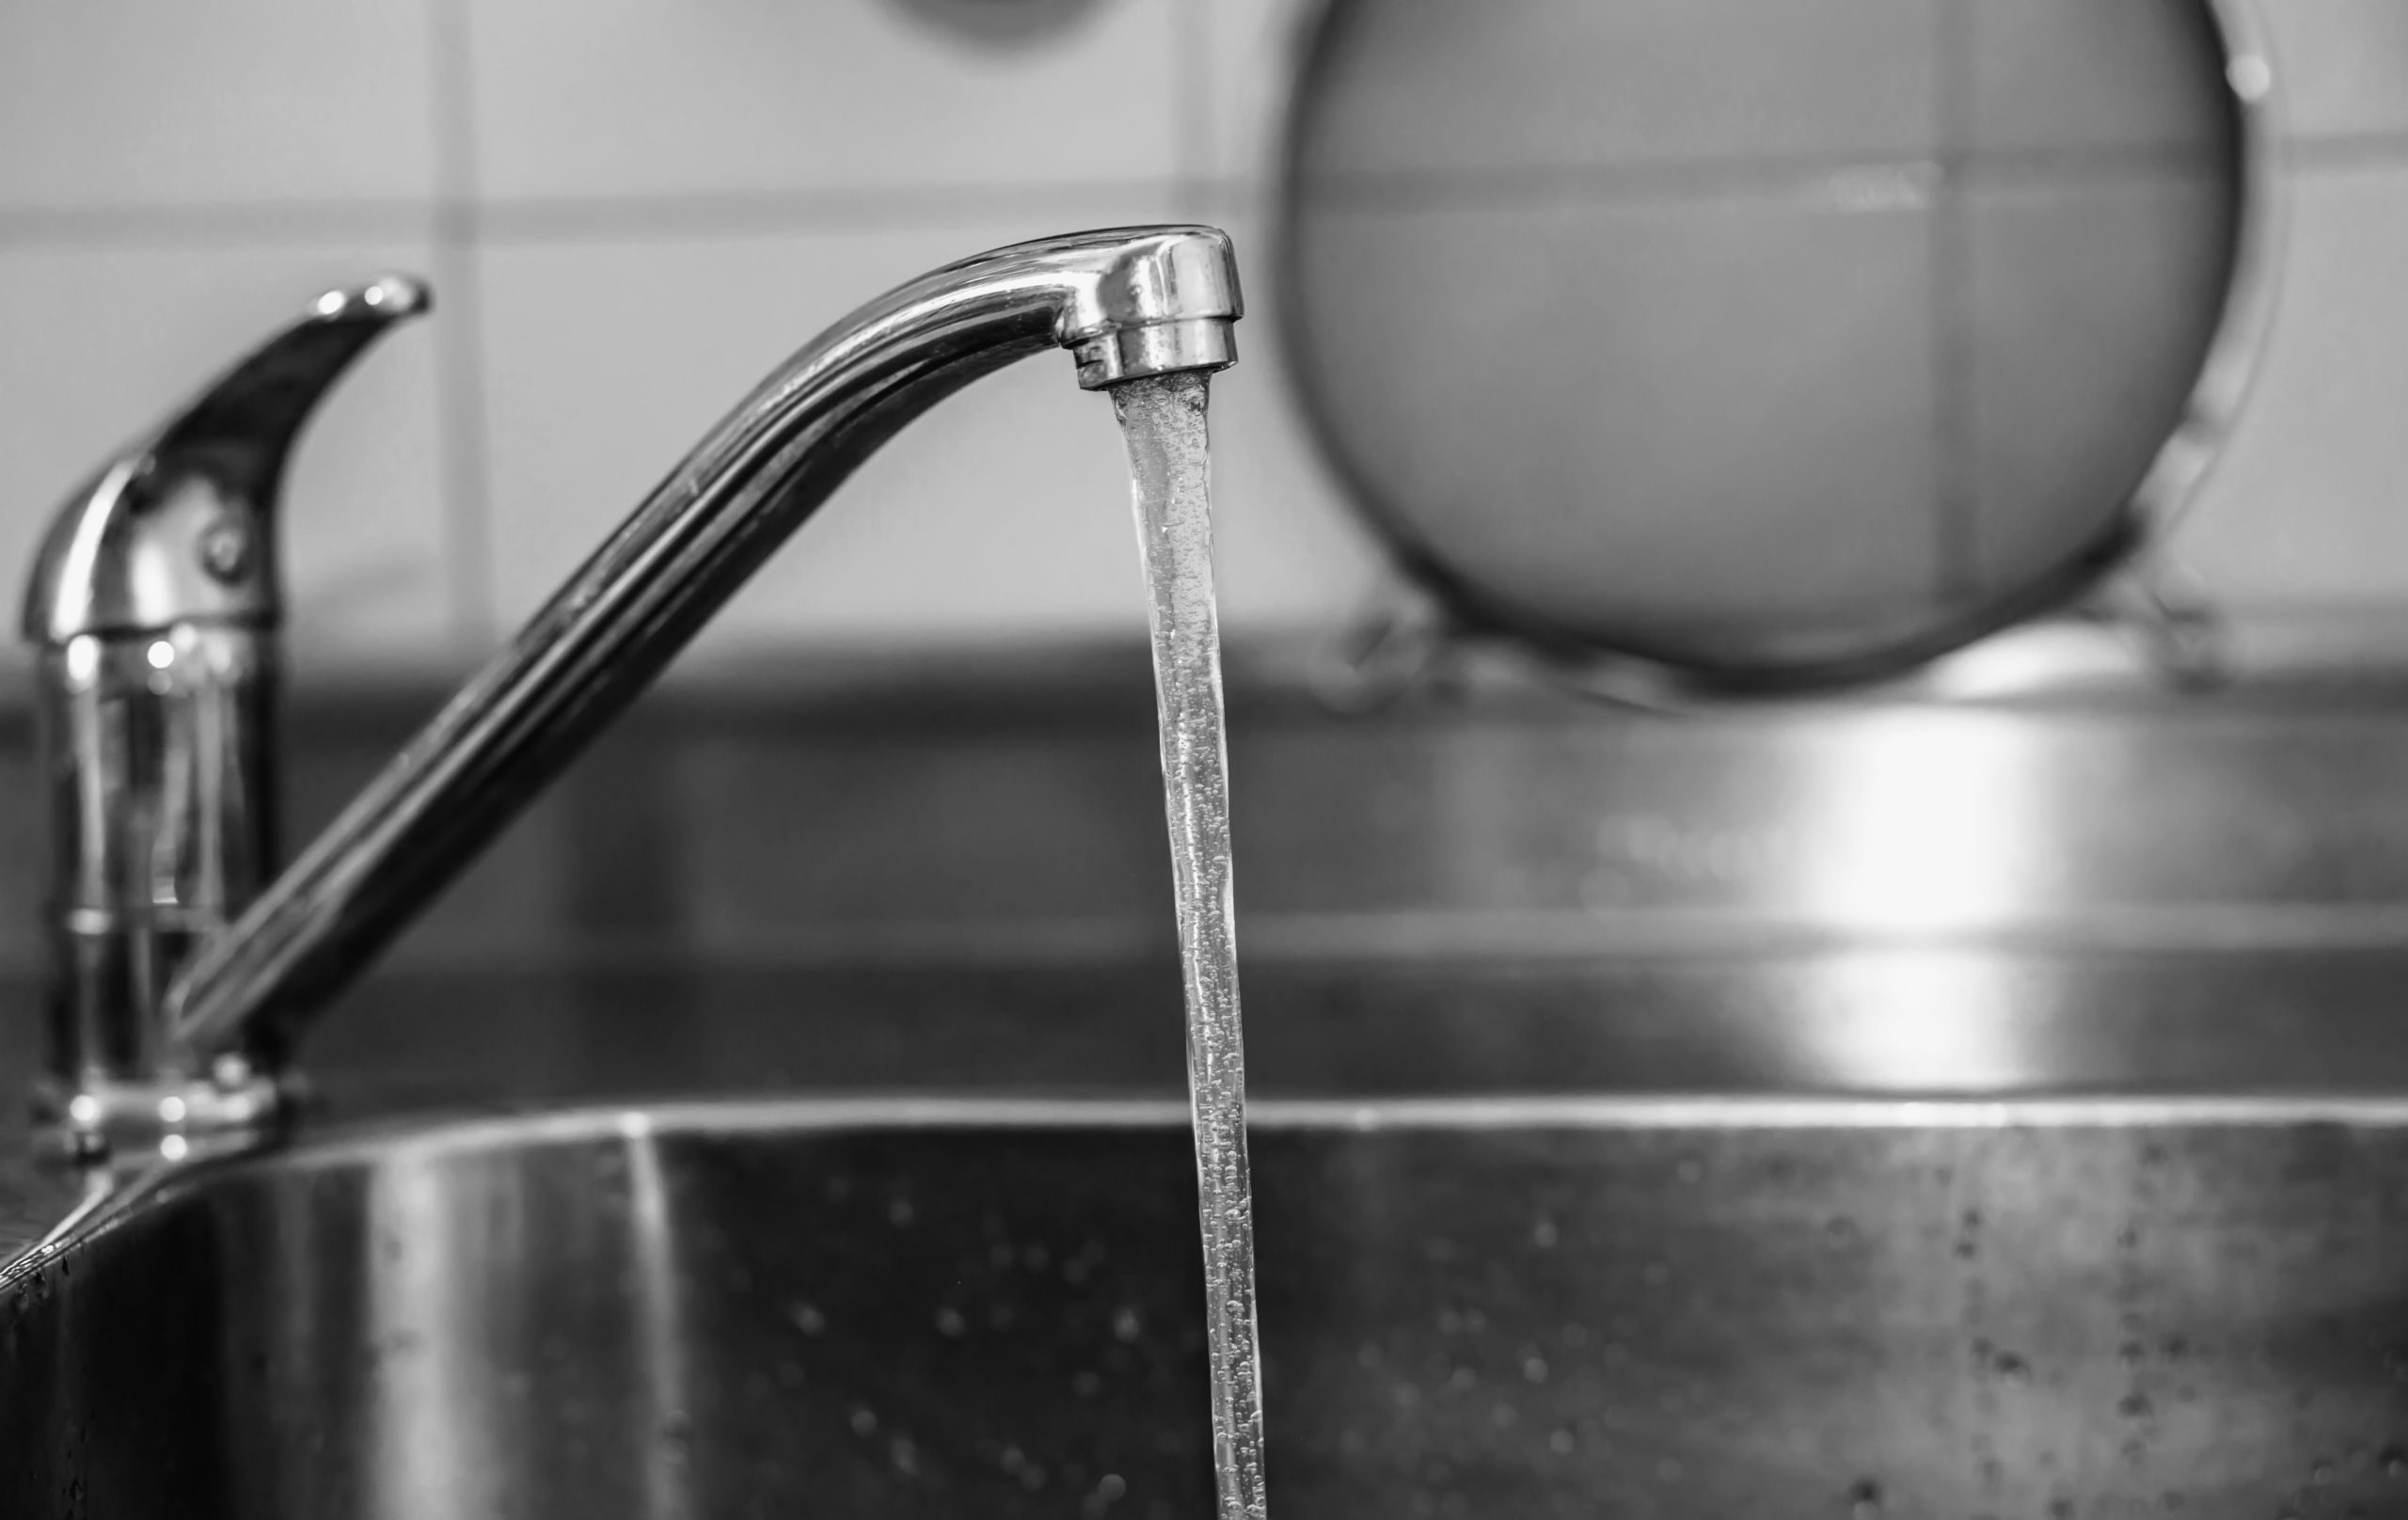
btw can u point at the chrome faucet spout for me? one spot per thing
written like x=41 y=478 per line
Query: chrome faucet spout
x=1127 y=303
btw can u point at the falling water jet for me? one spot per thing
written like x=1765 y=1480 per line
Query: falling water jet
x=1162 y=419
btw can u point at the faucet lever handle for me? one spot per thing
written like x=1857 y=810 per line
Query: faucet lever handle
x=176 y=527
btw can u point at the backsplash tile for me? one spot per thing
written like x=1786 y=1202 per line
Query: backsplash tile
x=670 y=98
x=2310 y=504
x=159 y=104
x=1250 y=47
x=655 y=202
x=2341 y=65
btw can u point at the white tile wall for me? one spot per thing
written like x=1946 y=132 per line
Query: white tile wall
x=153 y=104
x=2309 y=504
x=606 y=98
x=642 y=204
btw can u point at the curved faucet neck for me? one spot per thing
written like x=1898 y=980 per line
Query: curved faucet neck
x=1127 y=303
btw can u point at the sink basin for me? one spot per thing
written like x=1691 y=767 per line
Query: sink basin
x=1470 y=1306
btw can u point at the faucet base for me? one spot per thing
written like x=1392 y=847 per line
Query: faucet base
x=112 y=1124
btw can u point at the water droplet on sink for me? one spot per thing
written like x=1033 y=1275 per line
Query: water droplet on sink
x=950 y=1324
x=1562 y=1442
x=1543 y=1234
x=807 y=1318
x=864 y=1422
x=900 y=1213
x=1014 y=1458
x=1535 y=1368
x=1108 y=1491
x=905 y=1456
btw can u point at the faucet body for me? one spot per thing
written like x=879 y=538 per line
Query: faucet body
x=1127 y=302
x=154 y=607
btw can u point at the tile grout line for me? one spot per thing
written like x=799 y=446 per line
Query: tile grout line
x=563 y=219
x=467 y=505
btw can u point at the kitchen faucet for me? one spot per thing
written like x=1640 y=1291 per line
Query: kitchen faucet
x=174 y=1017
x=154 y=608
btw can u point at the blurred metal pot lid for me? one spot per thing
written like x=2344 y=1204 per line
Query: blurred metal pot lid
x=1739 y=346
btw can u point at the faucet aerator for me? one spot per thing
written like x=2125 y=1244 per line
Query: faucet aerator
x=1122 y=354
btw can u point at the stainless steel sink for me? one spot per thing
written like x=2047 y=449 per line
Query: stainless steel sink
x=2084 y=1196
x=1472 y=1305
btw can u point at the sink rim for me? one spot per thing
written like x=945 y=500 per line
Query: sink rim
x=432 y=1137
x=436 y=1134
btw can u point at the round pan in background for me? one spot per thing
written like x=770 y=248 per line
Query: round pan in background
x=1769 y=344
